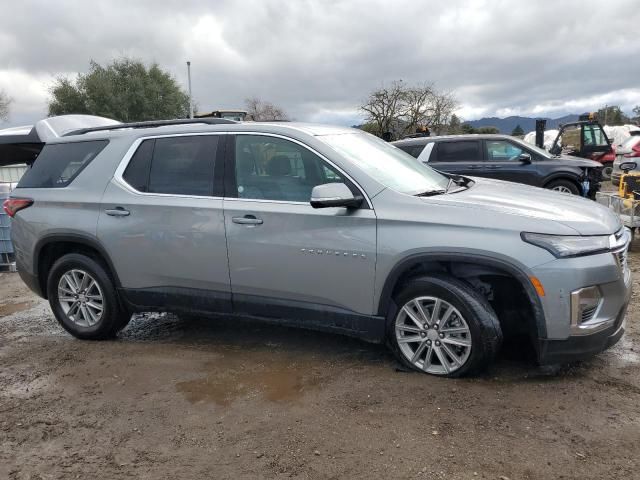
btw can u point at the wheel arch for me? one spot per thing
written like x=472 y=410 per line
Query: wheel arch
x=454 y=263
x=51 y=247
x=565 y=177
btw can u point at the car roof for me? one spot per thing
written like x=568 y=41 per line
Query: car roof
x=470 y=136
x=284 y=128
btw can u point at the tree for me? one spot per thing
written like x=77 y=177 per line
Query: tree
x=487 y=130
x=636 y=112
x=5 y=103
x=124 y=90
x=400 y=109
x=455 y=126
x=612 y=115
x=467 y=129
x=518 y=131
x=260 y=111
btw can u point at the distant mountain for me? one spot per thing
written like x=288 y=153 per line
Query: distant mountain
x=528 y=124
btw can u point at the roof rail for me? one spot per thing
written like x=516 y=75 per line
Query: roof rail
x=151 y=124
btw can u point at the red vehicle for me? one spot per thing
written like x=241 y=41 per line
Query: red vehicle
x=586 y=139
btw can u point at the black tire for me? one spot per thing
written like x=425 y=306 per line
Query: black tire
x=113 y=319
x=563 y=184
x=607 y=169
x=484 y=327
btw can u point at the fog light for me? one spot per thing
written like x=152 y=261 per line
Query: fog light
x=584 y=305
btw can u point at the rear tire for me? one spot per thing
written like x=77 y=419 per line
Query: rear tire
x=563 y=186
x=83 y=298
x=461 y=338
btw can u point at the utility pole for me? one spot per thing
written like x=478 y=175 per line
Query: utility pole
x=190 y=96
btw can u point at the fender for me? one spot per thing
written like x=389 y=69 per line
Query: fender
x=80 y=238
x=510 y=267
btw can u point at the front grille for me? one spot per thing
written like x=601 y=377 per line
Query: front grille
x=587 y=313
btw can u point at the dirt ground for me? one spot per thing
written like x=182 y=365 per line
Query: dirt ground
x=174 y=398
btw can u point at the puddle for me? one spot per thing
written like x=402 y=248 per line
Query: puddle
x=11 y=308
x=277 y=380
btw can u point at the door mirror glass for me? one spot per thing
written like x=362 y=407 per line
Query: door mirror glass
x=334 y=195
x=525 y=157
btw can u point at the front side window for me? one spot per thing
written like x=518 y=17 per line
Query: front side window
x=463 y=151
x=271 y=168
x=182 y=165
x=502 y=151
x=58 y=164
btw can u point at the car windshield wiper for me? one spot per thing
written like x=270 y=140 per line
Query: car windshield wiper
x=431 y=193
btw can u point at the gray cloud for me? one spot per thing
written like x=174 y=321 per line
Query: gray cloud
x=318 y=59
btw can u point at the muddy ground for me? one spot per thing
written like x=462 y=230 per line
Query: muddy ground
x=182 y=399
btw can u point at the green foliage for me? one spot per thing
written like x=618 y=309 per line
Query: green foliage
x=466 y=128
x=126 y=90
x=487 y=130
x=636 y=113
x=517 y=132
x=5 y=103
x=612 y=115
x=455 y=126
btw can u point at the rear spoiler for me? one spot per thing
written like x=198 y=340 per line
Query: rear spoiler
x=20 y=145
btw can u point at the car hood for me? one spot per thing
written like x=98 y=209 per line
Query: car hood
x=585 y=217
x=576 y=161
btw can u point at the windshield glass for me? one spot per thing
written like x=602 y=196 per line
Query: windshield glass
x=533 y=147
x=389 y=165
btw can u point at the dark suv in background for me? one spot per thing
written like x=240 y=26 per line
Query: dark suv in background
x=506 y=158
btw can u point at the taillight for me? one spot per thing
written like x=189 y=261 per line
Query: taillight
x=14 y=205
x=635 y=151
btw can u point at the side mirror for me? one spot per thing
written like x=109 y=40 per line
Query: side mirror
x=525 y=158
x=627 y=166
x=334 y=195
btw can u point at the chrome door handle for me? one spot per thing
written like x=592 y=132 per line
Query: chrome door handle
x=247 y=220
x=117 y=212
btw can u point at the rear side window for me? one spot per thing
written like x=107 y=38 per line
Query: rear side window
x=413 y=150
x=467 y=151
x=59 y=164
x=174 y=165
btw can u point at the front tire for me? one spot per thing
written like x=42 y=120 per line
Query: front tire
x=564 y=186
x=83 y=298
x=443 y=327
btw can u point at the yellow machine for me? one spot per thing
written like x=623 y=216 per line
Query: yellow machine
x=629 y=183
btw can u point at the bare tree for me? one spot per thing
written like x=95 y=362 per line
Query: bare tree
x=385 y=107
x=5 y=103
x=260 y=111
x=399 y=109
x=443 y=106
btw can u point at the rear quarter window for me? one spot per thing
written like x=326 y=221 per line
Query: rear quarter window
x=59 y=164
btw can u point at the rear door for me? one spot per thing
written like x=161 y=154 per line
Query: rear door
x=463 y=157
x=502 y=161
x=162 y=223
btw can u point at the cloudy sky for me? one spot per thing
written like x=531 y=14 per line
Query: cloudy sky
x=318 y=59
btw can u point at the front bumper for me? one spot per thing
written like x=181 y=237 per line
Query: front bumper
x=567 y=339
x=581 y=347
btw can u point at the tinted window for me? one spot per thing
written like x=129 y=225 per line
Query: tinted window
x=413 y=150
x=270 y=168
x=501 y=150
x=174 y=165
x=137 y=172
x=57 y=165
x=459 y=151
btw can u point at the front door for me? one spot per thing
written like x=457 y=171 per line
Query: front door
x=503 y=162
x=285 y=256
x=162 y=223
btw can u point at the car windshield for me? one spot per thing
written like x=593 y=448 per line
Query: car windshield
x=387 y=164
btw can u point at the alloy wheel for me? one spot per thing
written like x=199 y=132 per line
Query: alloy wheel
x=433 y=335
x=562 y=189
x=81 y=298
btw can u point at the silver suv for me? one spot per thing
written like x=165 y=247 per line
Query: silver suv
x=324 y=227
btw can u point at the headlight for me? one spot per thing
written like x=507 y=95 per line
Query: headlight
x=563 y=246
